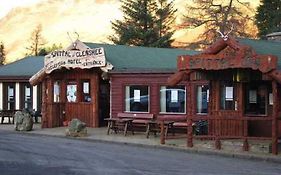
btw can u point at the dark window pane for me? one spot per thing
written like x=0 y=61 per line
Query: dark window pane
x=86 y=94
x=256 y=95
x=227 y=96
x=137 y=98
x=172 y=99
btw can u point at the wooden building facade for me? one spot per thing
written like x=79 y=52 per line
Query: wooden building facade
x=235 y=86
x=16 y=93
x=244 y=92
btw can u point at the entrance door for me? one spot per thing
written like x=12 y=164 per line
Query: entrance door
x=104 y=102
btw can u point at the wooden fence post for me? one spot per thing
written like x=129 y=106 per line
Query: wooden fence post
x=162 y=132
x=189 y=132
x=274 y=118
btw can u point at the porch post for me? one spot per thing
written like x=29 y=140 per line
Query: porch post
x=44 y=120
x=189 y=115
x=274 y=118
x=17 y=96
x=1 y=96
x=162 y=132
x=241 y=106
x=34 y=98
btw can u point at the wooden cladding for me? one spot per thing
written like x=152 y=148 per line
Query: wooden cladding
x=57 y=113
x=228 y=54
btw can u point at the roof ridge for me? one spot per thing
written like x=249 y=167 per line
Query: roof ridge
x=259 y=40
x=144 y=47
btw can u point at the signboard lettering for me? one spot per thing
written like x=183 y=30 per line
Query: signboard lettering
x=83 y=59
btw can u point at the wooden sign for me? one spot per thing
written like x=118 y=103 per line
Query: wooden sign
x=83 y=59
x=218 y=62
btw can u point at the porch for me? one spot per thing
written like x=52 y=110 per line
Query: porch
x=230 y=148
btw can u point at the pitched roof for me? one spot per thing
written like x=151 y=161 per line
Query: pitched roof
x=131 y=58
x=265 y=47
x=24 y=67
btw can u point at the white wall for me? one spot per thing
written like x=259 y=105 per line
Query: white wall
x=17 y=96
x=1 y=96
x=34 y=101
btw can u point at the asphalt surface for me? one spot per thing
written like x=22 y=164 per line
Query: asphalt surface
x=22 y=154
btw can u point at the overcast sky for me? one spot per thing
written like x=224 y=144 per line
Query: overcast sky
x=7 y=5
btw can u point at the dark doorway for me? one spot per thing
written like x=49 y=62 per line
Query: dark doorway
x=104 y=102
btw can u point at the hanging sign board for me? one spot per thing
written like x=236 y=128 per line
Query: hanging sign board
x=228 y=93
x=174 y=96
x=253 y=96
x=136 y=95
x=83 y=59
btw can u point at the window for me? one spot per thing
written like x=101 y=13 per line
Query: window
x=27 y=97
x=86 y=94
x=137 y=98
x=227 y=96
x=172 y=99
x=57 y=91
x=71 y=91
x=257 y=95
x=202 y=99
x=11 y=97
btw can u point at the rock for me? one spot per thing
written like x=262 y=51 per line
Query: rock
x=76 y=128
x=23 y=121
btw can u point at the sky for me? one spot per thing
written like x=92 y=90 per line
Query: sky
x=10 y=4
x=90 y=18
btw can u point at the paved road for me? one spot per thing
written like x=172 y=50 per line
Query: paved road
x=26 y=154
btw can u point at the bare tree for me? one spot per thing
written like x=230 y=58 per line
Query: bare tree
x=219 y=15
x=2 y=54
x=36 y=41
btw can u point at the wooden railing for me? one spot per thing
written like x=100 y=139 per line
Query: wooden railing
x=221 y=128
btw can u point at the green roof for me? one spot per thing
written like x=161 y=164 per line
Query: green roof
x=265 y=47
x=27 y=66
x=135 y=59
x=132 y=58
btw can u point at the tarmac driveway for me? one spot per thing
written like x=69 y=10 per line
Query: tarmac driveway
x=26 y=154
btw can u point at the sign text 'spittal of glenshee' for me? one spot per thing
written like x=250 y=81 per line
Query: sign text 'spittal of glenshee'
x=83 y=59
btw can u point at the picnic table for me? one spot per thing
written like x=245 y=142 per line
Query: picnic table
x=117 y=124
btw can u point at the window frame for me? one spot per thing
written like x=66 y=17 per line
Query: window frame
x=185 y=99
x=268 y=91
x=7 y=101
x=76 y=94
x=125 y=99
x=59 y=91
x=83 y=94
x=196 y=98
x=23 y=96
x=222 y=88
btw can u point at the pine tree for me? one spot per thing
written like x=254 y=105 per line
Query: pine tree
x=165 y=20
x=211 y=16
x=145 y=23
x=2 y=54
x=268 y=17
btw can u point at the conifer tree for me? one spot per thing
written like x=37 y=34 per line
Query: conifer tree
x=268 y=17
x=2 y=54
x=144 y=23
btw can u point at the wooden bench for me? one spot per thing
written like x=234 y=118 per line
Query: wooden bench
x=7 y=114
